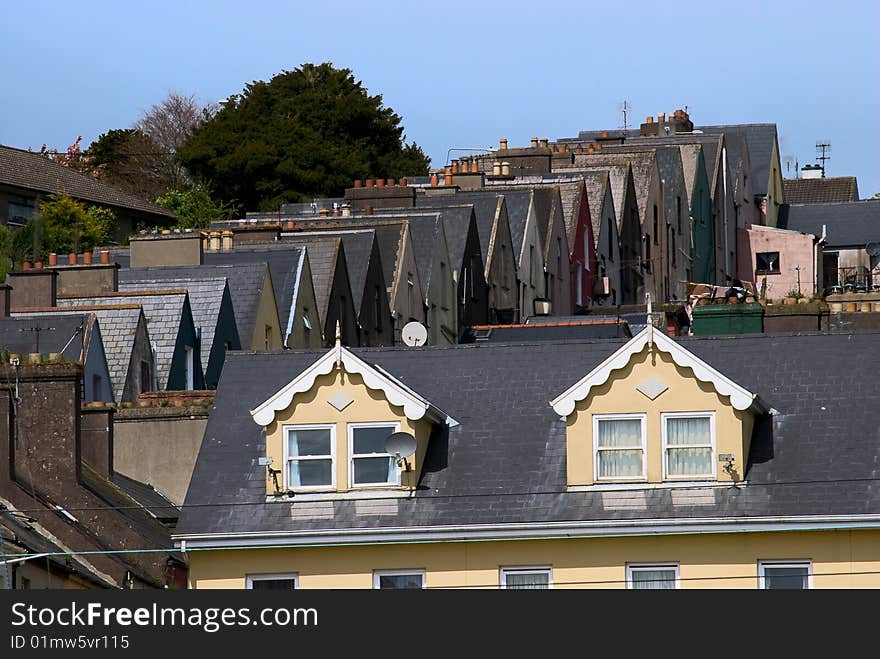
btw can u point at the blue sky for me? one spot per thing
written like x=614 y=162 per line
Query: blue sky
x=463 y=74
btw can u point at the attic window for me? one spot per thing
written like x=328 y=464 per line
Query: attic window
x=371 y=465
x=767 y=263
x=619 y=446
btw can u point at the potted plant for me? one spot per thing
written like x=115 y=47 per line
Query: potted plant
x=793 y=297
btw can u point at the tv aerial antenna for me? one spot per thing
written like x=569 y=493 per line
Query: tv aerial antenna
x=789 y=163
x=625 y=107
x=823 y=148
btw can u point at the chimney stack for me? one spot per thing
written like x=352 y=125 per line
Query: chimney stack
x=502 y=144
x=33 y=288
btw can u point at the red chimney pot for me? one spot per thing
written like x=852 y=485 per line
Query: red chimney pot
x=71 y=259
x=358 y=183
x=380 y=182
x=26 y=265
x=53 y=259
x=105 y=256
x=87 y=258
x=38 y=265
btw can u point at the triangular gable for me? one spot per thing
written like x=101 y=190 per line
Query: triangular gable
x=396 y=393
x=740 y=398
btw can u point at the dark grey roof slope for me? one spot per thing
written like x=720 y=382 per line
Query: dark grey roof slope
x=760 y=139
x=505 y=462
x=147 y=496
x=820 y=190
x=245 y=282
x=163 y=311
x=561 y=331
x=25 y=169
x=597 y=186
x=485 y=205
x=424 y=233
x=853 y=224
x=284 y=261
x=55 y=333
x=205 y=299
x=119 y=324
x=323 y=262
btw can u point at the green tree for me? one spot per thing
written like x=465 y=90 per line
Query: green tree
x=129 y=160
x=194 y=207
x=65 y=225
x=307 y=132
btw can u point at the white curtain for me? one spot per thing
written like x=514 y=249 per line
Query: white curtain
x=308 y=442
x=660 y=579
x=526 y=581
x=620 y=444
x=688 y=451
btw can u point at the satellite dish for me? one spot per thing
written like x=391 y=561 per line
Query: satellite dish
x=414 y=334
x=873 y=249
x=400 y=445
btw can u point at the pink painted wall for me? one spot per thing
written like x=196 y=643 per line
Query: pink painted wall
x=796 y=250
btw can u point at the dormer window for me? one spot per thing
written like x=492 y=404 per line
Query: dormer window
x=620 y=446
x=371 y=465
x=689 y=445
x=310 y=456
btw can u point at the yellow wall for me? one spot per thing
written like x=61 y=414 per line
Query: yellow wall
x=368 y=407
x=618 y=395
x=705 y=561
x=267 y=315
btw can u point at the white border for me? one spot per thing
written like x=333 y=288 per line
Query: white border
x=646 y=567
x=785 y=563
x=391 y=573
x=525 y=569
x=350 y=432
x=309 y=426
x=615 y=417
x=251 y=578
x=712 y=445
x=740 y=398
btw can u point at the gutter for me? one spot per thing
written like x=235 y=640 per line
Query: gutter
x=525 y=531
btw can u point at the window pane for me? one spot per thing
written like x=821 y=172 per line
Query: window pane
x=689 y=461
x=785 y=578
x=620 y=463
x=304 y=473
x=400 y=581
x=684 y=431
x=371 y=440
x=527 y=580
x=620 y=433
x=273 y=584
x=374 y=470
x=309 y=442
x=659 y=579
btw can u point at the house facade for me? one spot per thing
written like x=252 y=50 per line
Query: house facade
x=648 y=463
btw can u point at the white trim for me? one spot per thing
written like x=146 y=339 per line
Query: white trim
x=524 y=569
x=414 y=406
x=251 y=578
x=530 y=530
x=351 y=455
x=740 y=398
x=807 y=563
x=648 y=567
x=643 y=418
x=285 y=430
x=664 y=416
x=377 y=574
x=291 y=318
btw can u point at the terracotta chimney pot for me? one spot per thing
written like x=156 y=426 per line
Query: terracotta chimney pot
x=389 y=182
x=71 y=259
x=53 y=259
x=434 y=180
x=370 y=183
x=87 y=258
x=534 y=142
x=358 y=183
x=26 y=265
x=105 y=256
x=380 y=182
x=38 y=265
x=455 y=167
x=475 y=167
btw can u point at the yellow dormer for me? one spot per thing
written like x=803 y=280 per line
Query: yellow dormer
x=654 y=412
x=326 y=429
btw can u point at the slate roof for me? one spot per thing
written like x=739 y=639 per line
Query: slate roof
x=563 y=330
x=283 y=260
x=618 y=177
x=690 y=158
x=642 y=163
x=424 y=233
x=323 y=262
x=597 y=184
x=245 y=281
x=163 y=311
x=852 y=224
x=26 y=169
x=65 y=333
x=205 y=300
x=485 y=206
x=505 y=461
x=119 y=324
x=760 y=139
x=820 y=190
x=147 y=496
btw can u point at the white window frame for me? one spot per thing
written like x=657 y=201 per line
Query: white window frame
x=804 y=562
x=377 y=574
x=189 y=360
x=351 y=456
x=712 y=443
x=615 y=417
x=648 y=567
x=251 y=578
x=524 y=569
x=287 y=457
